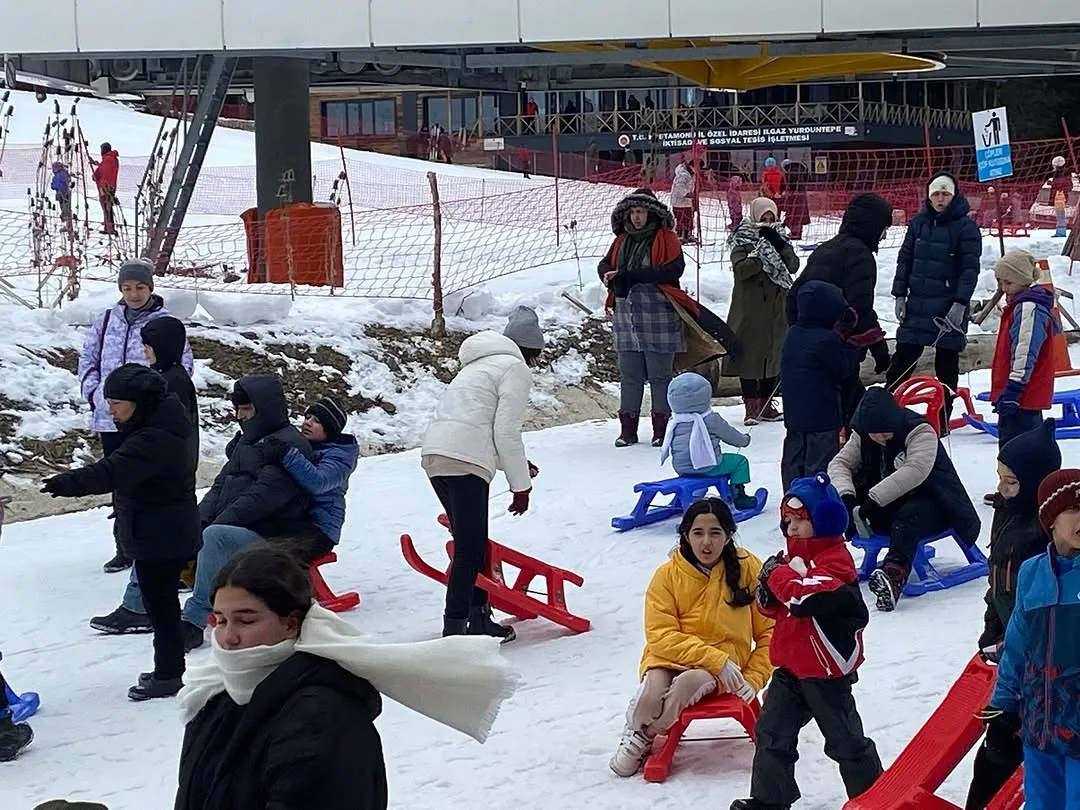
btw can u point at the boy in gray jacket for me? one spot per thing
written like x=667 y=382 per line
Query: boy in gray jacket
x=694 y=436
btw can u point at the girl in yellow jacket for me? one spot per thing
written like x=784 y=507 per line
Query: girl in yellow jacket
x=703 y=631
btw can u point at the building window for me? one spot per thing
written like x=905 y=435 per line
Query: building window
x=359 y=118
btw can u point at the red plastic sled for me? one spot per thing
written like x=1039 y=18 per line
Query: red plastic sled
x=514 y=600
x=952 y=730
x=930 y=392
x=338 y=603
x=658 y=765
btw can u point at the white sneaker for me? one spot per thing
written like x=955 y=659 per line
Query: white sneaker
x=634 y=748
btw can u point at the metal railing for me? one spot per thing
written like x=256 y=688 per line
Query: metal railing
x=691 y=119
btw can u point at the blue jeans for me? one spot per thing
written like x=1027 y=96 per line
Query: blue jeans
x=1051 y=781
x=219 y=544
x=133 y=595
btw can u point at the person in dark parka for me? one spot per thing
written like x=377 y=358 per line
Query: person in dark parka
x=152 y=478
x=164 y=341
x=895 y=476
x=291 y=730
x=251 y=500
x=936 y=273
x=814 y=364
x=847 y=260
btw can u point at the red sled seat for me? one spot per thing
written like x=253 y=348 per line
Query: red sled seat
x=930 y=392
x=338 y=603
x=718 y=707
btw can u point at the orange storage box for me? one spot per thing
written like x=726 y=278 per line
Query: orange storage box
x=300 y=242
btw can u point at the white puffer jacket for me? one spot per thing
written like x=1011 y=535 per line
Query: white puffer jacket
x=682 y=187
x=480 y=415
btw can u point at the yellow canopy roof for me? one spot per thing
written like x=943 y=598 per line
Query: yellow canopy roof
x=763 y=70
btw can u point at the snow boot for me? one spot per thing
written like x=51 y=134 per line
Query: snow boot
x=741 y=499
x=769 y=412
x=659 y=427
x=754 y=804
x=454 y=627
x=14 y=737
x=628 y=423
x=634 y=748
x=753 y=407
x=194 y=637
x=122 y=622
x=153 y=687
x=118 y=563
x=481 y=624
x=887 y=584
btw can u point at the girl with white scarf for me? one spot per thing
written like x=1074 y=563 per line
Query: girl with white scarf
x=283 y=715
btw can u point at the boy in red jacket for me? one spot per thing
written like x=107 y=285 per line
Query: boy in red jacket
x=106 y=176
x=813 y=594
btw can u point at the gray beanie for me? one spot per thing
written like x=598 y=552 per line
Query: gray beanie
x=140 y=270
x=1017 y=266
x=524 y=329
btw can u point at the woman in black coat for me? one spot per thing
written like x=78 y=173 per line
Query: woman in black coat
x=152 y=478
x=164 y=341
x=936 y=273
x=285 y=730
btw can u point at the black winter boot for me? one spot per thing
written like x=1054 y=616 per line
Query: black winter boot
x=14 y=737
x=754 y=804
x=122 y=622
x=628 y=424
x=481 y=624
x=118 y=563
x=454 y=627
x=153 y=687
x=659 y=427
x=194 y=637
x=741 y=499
x=887 y=584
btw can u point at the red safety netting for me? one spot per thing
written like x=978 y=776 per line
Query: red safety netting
x=488 y=226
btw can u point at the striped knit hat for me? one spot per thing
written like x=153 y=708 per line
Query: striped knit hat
x=1060 y=490
x=330 y=416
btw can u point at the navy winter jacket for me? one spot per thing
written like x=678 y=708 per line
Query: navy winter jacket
x=938 y=266
x=815 y=360
x=326 y=479
x=1039 y=674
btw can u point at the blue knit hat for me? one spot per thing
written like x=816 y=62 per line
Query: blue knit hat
x=770 y=162
x=828 y=514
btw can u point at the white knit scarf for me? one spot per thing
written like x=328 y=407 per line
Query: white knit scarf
x=459 y=681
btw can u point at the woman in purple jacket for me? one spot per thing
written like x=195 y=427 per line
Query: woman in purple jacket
x=113 y=340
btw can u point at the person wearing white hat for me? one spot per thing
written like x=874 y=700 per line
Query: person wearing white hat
x=936 y=272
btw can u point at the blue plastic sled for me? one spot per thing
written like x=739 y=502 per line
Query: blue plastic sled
x=684 y=491
x=925 y=578
x=1067 y=425
x=22 y=706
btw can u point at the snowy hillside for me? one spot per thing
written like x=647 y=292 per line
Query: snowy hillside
x=551 y=743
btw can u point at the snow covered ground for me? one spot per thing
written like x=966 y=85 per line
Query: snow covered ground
x=552 y=741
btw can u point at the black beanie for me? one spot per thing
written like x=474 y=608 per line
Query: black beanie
x=139 y=270
x=135 y=383
x=167 y=337
x=239 y=396
x=1032 y=456
x=330 y=416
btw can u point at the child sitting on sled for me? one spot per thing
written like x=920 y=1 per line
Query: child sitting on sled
x=694 y=437
x=703 y=633
x=813 y=593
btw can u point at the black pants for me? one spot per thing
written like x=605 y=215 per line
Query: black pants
x=157 y=581
x=109 y=443
x=758 y=389
x=851 y=394
x=791 y=703
x=946 y=369
x=807 y=454
x=1000 y=754
x=465 y=499
x=907 y=521
x=1011 y=425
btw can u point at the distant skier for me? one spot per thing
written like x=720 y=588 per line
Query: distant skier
x=61 y=184
x=106 y=174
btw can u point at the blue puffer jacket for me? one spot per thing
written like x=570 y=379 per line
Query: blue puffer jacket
x=815 y=360
x=1039 y=674
x=938 y=265
x=327 y=479
x=692 y=393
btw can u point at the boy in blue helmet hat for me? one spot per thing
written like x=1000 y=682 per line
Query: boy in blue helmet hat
x=813 y=593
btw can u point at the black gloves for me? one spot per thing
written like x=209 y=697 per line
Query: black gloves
x=765 y=597
x=880 y=353
x=59 y=486
x=773 y=237
x=272 y=450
